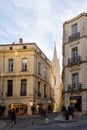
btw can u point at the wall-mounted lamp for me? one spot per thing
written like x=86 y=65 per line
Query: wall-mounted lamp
x=31 y=102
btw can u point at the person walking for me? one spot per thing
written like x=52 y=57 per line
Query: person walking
x=13 y=116
x=9 y=115
x=70 y=110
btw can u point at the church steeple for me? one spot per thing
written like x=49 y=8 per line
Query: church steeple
x=55 y=53
x=55 y=58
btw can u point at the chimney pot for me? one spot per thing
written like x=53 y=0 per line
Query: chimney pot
x=20 y=40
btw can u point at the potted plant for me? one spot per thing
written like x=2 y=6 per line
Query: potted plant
x=2 y=110
x=63 y=109
x=49 y=108
x=33 y=109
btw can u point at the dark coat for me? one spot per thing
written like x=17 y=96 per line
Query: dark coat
x=13 y=116
x=70 y=110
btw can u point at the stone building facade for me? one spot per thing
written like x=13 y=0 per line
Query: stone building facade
x=24 y=77
x=75 y=62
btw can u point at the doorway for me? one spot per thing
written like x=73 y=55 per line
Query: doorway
x=77 y=102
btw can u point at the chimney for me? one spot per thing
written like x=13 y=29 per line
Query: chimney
x=20 y=40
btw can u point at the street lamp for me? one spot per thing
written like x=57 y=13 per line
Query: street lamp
x=31 y=102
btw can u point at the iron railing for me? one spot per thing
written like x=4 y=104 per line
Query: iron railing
x=74 y=36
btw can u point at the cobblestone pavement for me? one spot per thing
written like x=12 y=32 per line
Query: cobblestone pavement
x=24 y=122
x=37 y=121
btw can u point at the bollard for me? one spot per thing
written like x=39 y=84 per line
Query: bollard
x=32 y=122
x=10 y=125
x=46 y=121
x=70 y=118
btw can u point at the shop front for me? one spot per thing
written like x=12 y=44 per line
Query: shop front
x=20 y=108
x=77 y=102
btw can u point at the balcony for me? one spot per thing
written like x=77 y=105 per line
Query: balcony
x=74 y=37
x=74 y=60
x=74 y=87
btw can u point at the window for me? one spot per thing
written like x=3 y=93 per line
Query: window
x=74 y=29
x=9 y=87
x=39 y=68
x=24 y=64
x=45 y=71
x=45 y=91
x=39 y=94
x=75 y=34
x=10 y=65
x=75 y=54
x=10 y=48
x=24 y=47
x=75 y=79
x=23 y=87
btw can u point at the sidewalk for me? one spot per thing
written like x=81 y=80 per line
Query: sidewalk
x=2 y=124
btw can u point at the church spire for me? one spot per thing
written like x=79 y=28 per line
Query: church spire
x=55 y=53
x=55 y=60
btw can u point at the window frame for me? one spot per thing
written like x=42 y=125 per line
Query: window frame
x=39 y=88
x=24 y=64
x=23 y=87
x=75 y=79
x=9 y=87
x=39 y=67
x=74 y=28
x=75 y=54
x=10 y=65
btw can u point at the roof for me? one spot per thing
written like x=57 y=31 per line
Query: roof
x=75 y=18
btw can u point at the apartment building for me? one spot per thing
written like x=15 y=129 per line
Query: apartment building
x=75 y=62
x=24 y=77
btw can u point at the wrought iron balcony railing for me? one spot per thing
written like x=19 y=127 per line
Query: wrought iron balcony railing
x=74 y=60
x=74 y=37
x=74 y=87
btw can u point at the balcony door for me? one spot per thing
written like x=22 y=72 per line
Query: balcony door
x=74 y=29
x=75 y=54
x=75 y=80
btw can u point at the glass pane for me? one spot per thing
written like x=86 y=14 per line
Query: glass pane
x=75 y=54
x=24 y=64
x=74 y=29
x=75 y=79
x=10 y=65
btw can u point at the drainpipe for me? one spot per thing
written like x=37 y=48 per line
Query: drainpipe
x=36 y=78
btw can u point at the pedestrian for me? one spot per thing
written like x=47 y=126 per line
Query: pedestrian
x=67 y=115
x=43 y=112
x=63 y=109
x=9 y=114
x=70 y=110
x=13 y=116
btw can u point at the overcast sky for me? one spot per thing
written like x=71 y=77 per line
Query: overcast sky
x=39 y=21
